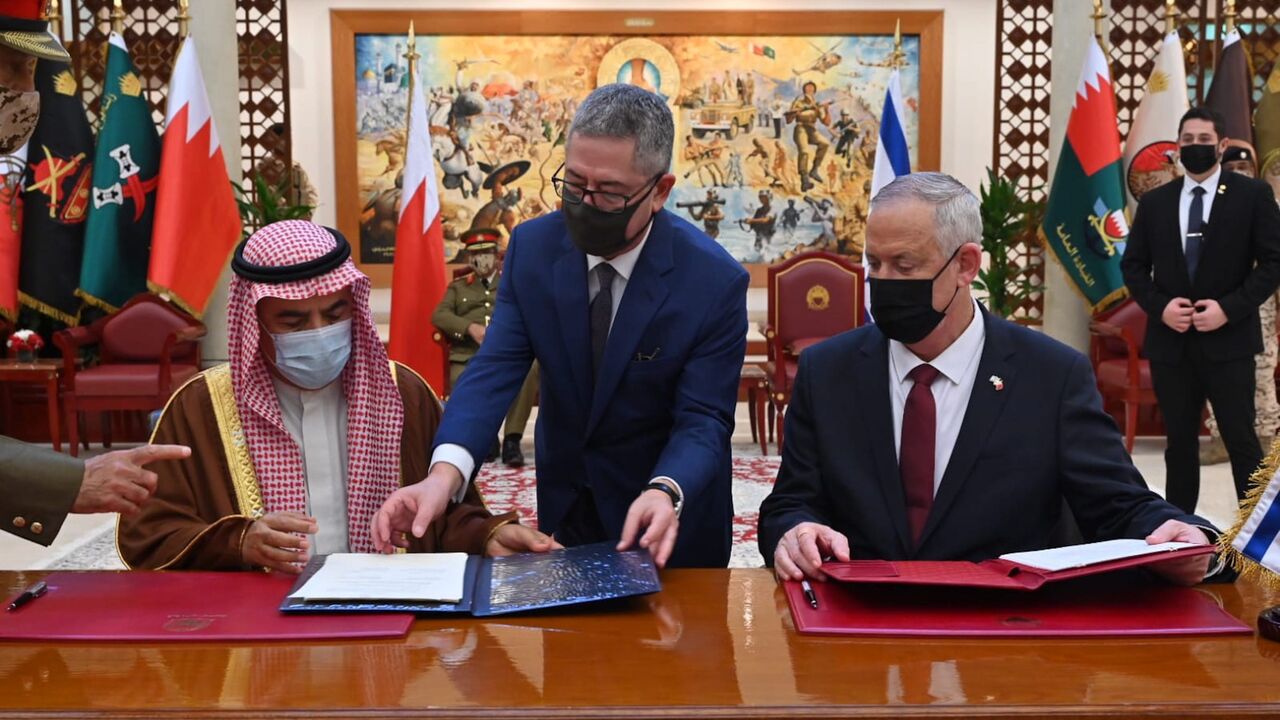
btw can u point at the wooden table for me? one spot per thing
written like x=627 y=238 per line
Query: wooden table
x=714 y=643
x=39 y=372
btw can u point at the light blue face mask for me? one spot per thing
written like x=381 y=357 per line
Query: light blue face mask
x=312 y=359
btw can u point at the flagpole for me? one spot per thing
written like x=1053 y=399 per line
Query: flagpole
x=54 y=16
x=412 y=57
x=1170 y=17
x=184 y=20
x=1099 y=31
x=117 y=18
x=898 y=58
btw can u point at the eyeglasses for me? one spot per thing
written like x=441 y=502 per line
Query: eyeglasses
x=609 y=202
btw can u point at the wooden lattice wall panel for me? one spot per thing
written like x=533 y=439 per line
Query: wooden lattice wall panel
x=150 y=33
x=264 y=85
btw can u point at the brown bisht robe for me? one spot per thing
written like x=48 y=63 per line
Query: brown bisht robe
x=203 y=505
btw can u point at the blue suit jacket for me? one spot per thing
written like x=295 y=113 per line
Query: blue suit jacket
x=1021 y=452
x=664 y=400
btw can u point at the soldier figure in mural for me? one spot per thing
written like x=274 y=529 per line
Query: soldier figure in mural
x=707 y=212
x=1239 y=157
x=806 y=112
x=824 y=213
x=790 y=217
x=766 y=163
x=846 y=132
x=704 y=157
x=763 y=221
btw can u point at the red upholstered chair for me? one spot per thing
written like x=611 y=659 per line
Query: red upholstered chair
x=147 y=349
x=811 y=297
x=1124 y=375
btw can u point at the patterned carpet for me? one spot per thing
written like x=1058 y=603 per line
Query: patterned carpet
x=506 y=489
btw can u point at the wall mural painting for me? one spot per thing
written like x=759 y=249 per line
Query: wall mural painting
x=775 y=136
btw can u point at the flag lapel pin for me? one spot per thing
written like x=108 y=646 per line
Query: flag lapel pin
x=997 y=382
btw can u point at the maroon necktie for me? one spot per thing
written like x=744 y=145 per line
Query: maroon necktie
x=919 y=427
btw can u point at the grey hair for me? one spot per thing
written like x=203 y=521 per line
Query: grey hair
x=629 y=112
x=957 y=218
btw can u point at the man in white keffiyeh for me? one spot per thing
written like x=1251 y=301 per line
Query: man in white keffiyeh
x=307 y=430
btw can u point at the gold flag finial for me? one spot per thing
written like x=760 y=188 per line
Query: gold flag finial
x=117 y=17
x=1099 y=25
x=1230 y=25
x=1170 y=17
x=898 y=58
x=412 y=57
x=54 y=15
x=184 y=19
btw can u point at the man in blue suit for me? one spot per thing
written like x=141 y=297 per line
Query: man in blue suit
x=638 y=321
x=942 y=432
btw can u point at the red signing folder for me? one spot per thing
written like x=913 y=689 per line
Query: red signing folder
x=180 y=606
x=1092 y=607
x=995 y=574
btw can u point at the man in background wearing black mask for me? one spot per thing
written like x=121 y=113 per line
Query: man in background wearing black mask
x=1202 y=255
x=638 y=322
x=943 y=432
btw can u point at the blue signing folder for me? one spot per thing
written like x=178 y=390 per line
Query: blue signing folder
x=530 y=581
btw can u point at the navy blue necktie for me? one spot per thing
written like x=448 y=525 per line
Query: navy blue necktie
x=601 y=314
x=1195 y=230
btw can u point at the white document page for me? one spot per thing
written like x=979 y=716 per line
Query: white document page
x=1074 y=556
x=423 y=577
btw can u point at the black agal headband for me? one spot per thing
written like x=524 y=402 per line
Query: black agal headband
x=276 y=275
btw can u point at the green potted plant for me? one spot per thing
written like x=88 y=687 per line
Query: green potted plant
x=1008 y=220
x=267 y=204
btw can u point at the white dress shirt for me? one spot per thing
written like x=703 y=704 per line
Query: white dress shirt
x=1210 y=186
x=317 y=422
x=958 y=368
x=625 y=265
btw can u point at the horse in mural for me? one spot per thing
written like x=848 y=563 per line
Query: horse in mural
x=460 y=169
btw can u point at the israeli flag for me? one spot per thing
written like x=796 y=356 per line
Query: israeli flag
x=892 y=156
x=1259 y=537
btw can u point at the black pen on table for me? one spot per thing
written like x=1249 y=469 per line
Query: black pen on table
x=809 y=594
x=28 y=595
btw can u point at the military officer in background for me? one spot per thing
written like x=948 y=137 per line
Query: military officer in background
x=1239 y=158
x=463 y=316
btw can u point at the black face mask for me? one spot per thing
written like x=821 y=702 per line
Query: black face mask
x=1198 y=159
x=596 y=232
x=903 y=309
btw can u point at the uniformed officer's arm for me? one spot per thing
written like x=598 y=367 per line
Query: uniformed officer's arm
x=37 y=489
x=446 y=316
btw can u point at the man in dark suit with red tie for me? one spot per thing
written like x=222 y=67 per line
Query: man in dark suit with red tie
x=943 y=432
x=1203 y=254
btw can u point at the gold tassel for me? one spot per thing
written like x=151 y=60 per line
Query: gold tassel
x=96 y=302
x=1250 y=569
x=49 y=310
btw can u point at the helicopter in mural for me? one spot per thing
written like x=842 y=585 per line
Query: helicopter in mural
x=828 y=59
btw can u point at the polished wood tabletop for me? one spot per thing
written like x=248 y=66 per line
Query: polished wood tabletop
x=714 y=643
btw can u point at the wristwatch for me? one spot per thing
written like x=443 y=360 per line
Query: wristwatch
x=676 y=501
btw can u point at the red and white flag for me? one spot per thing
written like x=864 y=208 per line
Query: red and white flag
x=197 y=222
x=419 y=276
